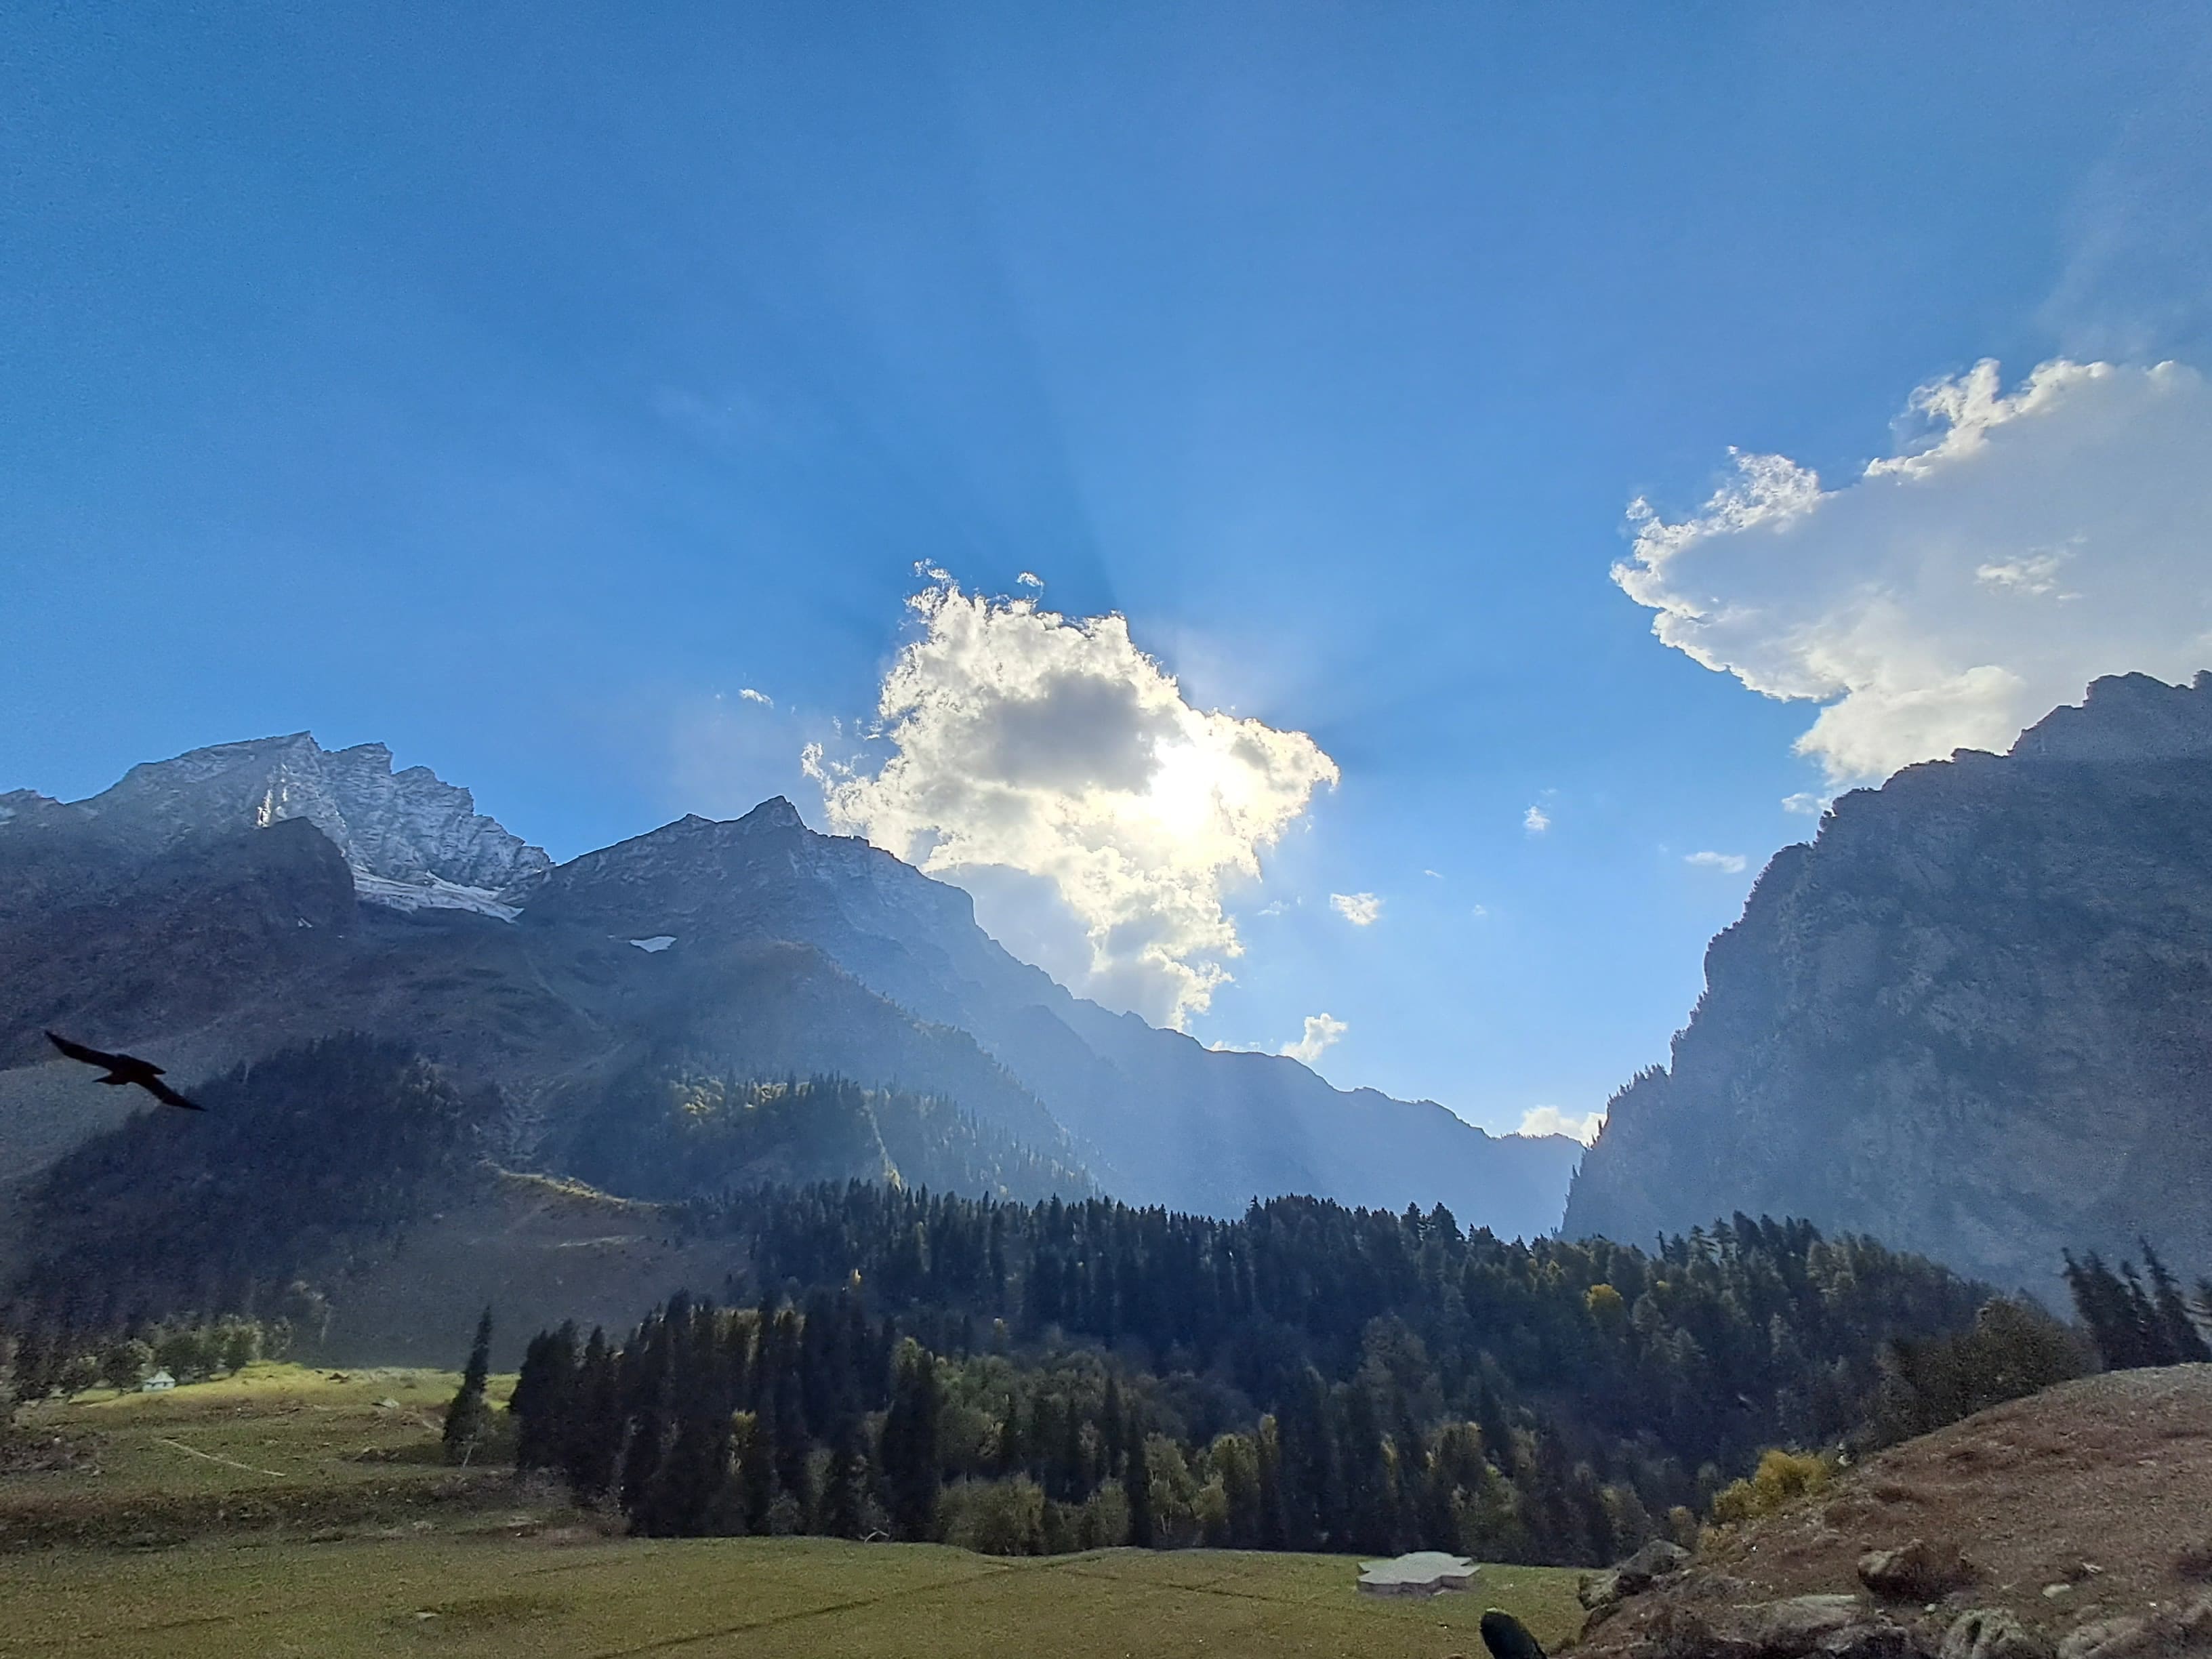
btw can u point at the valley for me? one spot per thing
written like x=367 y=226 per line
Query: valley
x=284 y=1532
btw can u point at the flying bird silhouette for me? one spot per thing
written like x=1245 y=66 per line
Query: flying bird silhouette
x=126 y=1068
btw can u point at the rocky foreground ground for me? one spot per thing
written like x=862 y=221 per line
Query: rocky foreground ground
x=2074 y=1524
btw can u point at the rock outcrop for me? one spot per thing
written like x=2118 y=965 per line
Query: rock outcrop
x=2085 y=1487
x=1973 y=1018
x=411 y=840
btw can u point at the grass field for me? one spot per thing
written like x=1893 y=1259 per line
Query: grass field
x=413 y=1559
x=273 y=1447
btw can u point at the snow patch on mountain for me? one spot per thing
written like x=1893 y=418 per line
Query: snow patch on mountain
x=412 y=840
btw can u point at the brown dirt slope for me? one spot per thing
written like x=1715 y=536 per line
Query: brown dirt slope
x=535 y=1251
x=2088 y=1502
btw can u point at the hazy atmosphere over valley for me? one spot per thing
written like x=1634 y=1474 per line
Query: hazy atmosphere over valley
x=1043 y=782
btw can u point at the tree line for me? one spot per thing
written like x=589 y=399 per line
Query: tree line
x=1718 y=1344
x=1062 y=1375
x=2133 y=1324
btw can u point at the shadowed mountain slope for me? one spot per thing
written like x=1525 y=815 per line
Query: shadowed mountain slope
x=237 y=900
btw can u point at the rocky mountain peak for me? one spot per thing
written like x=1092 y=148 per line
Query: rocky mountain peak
x=1972 y=1018
x=410 y=839
x=2124 y=718
x=766 y=870
x=774 y=813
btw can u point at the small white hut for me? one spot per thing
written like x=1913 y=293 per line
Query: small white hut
x=1425 y=1572
x=160 y=1382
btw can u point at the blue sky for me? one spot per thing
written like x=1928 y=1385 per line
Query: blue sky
x=516 y=386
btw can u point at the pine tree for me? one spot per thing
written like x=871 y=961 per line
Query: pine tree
x=910 y=1453
x=1110 y=1432
x=1137 y=1482
x=845 y=1483
x=544 y=1399
x=592 y=1441
x=2184 y=1343
x=468 y=1419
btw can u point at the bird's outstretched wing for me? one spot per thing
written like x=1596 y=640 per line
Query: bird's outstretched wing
x=168 y=1097
x=90 y=1056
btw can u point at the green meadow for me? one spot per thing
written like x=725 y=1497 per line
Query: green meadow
x=292 y=1512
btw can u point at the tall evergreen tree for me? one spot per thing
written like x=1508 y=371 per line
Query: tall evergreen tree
x=844 y=1483
x=1137 y=1483
x=911 y=1459
x=593 y=1445
x=2184 y=1344
x=468 y=1417
x=543 y=1403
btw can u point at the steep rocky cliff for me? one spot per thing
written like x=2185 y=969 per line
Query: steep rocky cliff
x=411 y=840
x=1972 y=1017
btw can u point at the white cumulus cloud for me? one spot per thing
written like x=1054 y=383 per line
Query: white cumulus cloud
x=1551 y=1121
x=1039 y=756
x=1535 y=820
x=1805 y=803
x=1322 y=1030
x=1732 y=862
x=751 y=695
x=1360 y=909
x=2023 y=545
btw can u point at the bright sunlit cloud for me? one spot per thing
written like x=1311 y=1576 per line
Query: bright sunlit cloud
x=2025 y=544
x=1360 y=909
x=1536 y=821
x=1551 y=1121
x=1322 y=1030
x=1054 y=752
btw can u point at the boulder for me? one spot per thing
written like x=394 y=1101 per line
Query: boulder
x=1603 y=1593
x=1992 y=1633
x=1918 y=1571
x=2124 y=1636
x=1798 y=1625
x=1599 y=1590
x=1648 y=1564
x=1878 y=1638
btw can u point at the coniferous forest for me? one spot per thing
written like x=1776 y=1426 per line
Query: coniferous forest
x=1041 y=1377
x=1060 y=1372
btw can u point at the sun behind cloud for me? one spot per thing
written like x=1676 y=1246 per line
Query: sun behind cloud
x=1023 y=740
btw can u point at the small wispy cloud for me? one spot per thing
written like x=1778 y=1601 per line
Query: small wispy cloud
x=1030 y=578
x=760 y=697
x=1535 y=820
x=1734 y=863
x=1551 y=1121
x=1321 y=1032
x=1480 y=911
x=1360 y=909
x=1434 y=875
x=1805 y=803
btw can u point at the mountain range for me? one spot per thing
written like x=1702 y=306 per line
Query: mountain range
x=209 y=909
x=1972 y=1018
